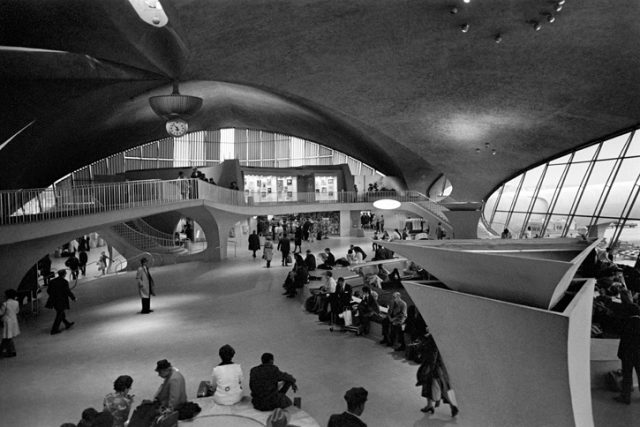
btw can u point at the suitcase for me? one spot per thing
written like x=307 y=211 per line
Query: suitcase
x=614 y=380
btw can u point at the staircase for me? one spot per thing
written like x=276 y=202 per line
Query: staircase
x=147 y=242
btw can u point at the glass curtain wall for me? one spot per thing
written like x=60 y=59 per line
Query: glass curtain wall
x=207 y=148
x=594 y=189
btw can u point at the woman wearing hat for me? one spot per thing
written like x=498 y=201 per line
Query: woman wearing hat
x=267 y=253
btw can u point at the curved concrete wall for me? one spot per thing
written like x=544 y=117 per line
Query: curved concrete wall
x=512 y=365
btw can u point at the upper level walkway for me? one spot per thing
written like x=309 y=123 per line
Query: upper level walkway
x=35 y=213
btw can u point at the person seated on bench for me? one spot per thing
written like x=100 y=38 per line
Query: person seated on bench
x=310 y=260
x=329 y=261
x=351 y=259
x=290 y=284
x=173 y=391
x=393 y=323
x=368 y=309
x=263 y=382
x=394 y=279
x=227 y=378
x=358 y=250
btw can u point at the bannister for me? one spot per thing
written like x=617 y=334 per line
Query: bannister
x=26 y=206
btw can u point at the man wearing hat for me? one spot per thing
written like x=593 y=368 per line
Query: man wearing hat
x=59 y=294
x=356 y=397
x=173 y=391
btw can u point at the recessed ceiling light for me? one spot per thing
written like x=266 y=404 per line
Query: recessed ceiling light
x=386 y=204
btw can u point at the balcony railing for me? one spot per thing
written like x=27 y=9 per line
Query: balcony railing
x=43 y=204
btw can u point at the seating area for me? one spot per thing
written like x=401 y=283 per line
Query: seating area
x=242 y=414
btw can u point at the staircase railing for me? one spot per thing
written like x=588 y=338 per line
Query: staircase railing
x=144 y=227
x=142 y=240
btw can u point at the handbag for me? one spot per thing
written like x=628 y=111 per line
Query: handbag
x=289 y=259
x=436 y=391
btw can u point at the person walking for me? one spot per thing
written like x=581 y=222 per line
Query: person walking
x=59 y=294
x=254 y=242
x=432 y=376
x=145 y=286
x=74 y=265
x=83 y=258
x=9 y=314
x=267 y=253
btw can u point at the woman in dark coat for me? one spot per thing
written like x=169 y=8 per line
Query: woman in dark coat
x=434 y=379
x=254 y=243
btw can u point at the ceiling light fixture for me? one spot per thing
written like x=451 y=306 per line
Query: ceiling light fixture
x=549 y=16
x=558 y=7
x=497 y=38
x=535 y=25
x=453 y=10
x=386 y=204
x=464 y=28
x=467 y=1
x=175 y=109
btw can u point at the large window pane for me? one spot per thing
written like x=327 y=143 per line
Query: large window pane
x=531 y=180
x=509 y=193
x=586 y=154
x=634 y=148
x=595 y=187
x=621 y=189
x=490 y=204
x=560 y=160
x=612 y=148
x=549 y=184
x=570 y=188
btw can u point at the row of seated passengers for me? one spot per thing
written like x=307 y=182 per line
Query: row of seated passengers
x=268 y=385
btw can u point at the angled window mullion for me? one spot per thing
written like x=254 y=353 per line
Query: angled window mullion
x=556 y=194
x=610 y=181
x=626 y=211
x=495 y=206
x=534 y=197
x=581 y=190
x=514 y=200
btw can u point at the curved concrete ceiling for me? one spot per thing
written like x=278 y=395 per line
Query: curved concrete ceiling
x=395 y=84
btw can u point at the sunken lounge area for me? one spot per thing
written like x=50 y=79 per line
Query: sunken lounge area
x=201 y=306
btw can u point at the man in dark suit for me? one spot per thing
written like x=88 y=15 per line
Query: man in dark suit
x=59 y=294
x=629 y=352
x=263 y=382
x=284 y=246
x=356 y=397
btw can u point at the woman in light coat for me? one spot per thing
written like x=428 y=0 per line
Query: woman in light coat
x=267 y=253
x=9 y=312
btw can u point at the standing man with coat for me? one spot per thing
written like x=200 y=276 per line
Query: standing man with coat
x=59 y=294
x=145 y=286
x=254 y=242
x=629 y=353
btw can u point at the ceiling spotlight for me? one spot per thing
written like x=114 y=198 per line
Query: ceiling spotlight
x=561 y=2
x=497 y=38
x=550 y=17
x=477 y=150
x=558 y=7
x=493 y=152
x=536 y=25
x=486 y=145
x=453 y=10
x=467 y=1
x=464 y=28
